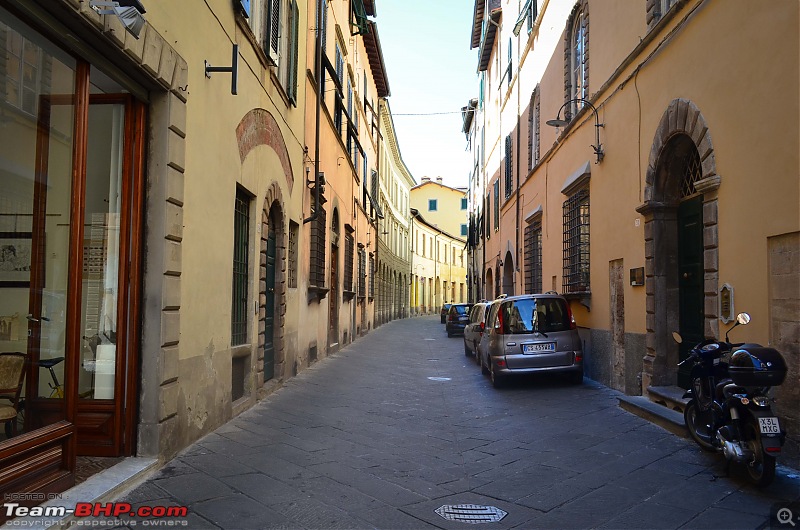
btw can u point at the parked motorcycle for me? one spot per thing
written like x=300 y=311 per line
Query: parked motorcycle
x=729 y=408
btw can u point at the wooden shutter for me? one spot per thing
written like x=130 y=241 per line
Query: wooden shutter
x=273 y=27
x=291 y=84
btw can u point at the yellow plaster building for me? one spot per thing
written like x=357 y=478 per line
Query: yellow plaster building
x=664 y=200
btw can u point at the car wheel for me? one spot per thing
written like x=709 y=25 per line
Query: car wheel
x=484 y=368
x=449 y=334
x=497 y=379
x=466 y=350
x=477 y=355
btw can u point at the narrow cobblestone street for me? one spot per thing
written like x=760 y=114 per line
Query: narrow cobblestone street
x=401 y=423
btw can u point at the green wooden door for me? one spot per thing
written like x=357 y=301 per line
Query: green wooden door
x=690 y=280
x=269 y=308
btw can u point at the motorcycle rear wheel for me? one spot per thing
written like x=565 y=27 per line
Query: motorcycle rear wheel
x=761 y=471
x=700 y=425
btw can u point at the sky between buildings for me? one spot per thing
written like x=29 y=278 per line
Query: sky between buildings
x=431 y=70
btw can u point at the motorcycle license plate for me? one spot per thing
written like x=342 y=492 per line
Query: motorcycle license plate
x=769 y=426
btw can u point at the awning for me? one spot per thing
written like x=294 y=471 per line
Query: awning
x=375 y=56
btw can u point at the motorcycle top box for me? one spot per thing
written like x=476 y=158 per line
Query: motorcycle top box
x=757 y=367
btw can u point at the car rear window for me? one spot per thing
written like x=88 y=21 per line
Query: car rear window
x=544 y=315
x=462 y=309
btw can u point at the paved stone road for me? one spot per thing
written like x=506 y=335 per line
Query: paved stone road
x=401 y=423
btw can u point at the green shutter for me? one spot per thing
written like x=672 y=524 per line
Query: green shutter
x=291 y=88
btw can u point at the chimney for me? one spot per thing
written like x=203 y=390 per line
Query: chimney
x=439 y=180
x=426 y=179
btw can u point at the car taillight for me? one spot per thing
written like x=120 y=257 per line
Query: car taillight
x=498 y=327
x=483 y=326
x=572 y=324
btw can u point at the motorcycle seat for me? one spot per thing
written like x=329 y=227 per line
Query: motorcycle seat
x=719 y=389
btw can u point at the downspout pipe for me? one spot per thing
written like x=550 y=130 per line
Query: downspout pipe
x=318 y=76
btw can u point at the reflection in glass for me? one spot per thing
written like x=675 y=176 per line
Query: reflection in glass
x=36 y=124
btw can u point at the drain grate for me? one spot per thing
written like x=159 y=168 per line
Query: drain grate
x=471 y=513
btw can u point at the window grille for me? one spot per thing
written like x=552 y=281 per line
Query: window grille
x=508 y=168
x=692 y=172
x=496 y=205
x=241 y=231
x=294 y=230
x=576 y=243
x=349 y=249
x=316 y=275
x=362 y=271
x=533 y=257
x=372 y=275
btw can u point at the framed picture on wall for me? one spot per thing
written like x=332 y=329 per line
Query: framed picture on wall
x=15 y=259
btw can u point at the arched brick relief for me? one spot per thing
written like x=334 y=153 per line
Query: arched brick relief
x=258 y=127
x=273 y=212
x=682 y=124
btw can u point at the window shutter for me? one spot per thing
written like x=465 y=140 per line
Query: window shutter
x=291 y=88
x=274 y=20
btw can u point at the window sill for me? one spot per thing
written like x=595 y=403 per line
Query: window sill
x=348 y=295
x=316 y=294
x=584 y=298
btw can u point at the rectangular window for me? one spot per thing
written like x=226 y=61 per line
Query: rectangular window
x=488 y=217
x=432 y=205
x=509 y=167
x=372 y=275
x=533 y=12
x=533 y=130
x=349 y=254
x=241 y=280
x=291 y=273
x=293 y=46
x=576 y=243
x=362 y=271
x=316 y=276
x=464 y=203
x=533 y=257
x=497 y=205
x=464 y=230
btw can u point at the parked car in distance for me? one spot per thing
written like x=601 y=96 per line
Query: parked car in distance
x=475 y=327
x=528 y=334
x=443 y=312
x=457 y=318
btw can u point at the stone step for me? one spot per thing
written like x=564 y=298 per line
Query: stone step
x=668 y=396
x=668 y=419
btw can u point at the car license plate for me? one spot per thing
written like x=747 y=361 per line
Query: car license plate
x=463 y=319
x=769 y=425
x=539 y=347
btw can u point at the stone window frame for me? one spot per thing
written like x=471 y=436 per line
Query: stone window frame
x=532 y=253
x=657 y=11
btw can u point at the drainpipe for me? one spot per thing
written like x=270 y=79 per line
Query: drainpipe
x=318 y=74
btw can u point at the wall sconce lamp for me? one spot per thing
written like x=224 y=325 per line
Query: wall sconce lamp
x=558 y=122
x=129 y=13
x=233 y=69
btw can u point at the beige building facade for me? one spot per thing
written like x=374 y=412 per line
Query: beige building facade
x=394 y=228
x=162 y=238
x=663 y=201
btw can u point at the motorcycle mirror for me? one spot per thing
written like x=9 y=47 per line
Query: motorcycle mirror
x=743 y=318
x=677 y=337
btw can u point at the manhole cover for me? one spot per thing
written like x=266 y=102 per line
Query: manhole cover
x=471 y=513
x=439 y=378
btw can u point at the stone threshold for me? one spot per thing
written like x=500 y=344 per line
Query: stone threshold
x=662 y=416
x=102 y=487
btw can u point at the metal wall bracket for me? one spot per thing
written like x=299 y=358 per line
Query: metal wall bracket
x=233 y=69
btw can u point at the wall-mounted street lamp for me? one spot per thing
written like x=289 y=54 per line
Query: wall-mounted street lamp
x=129 y=13
x=233 y=69
x=558 y=122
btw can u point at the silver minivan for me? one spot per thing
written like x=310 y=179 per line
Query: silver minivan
x=473 y=332
x=528 y=334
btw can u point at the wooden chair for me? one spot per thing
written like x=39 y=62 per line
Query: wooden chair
x=12 y=375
